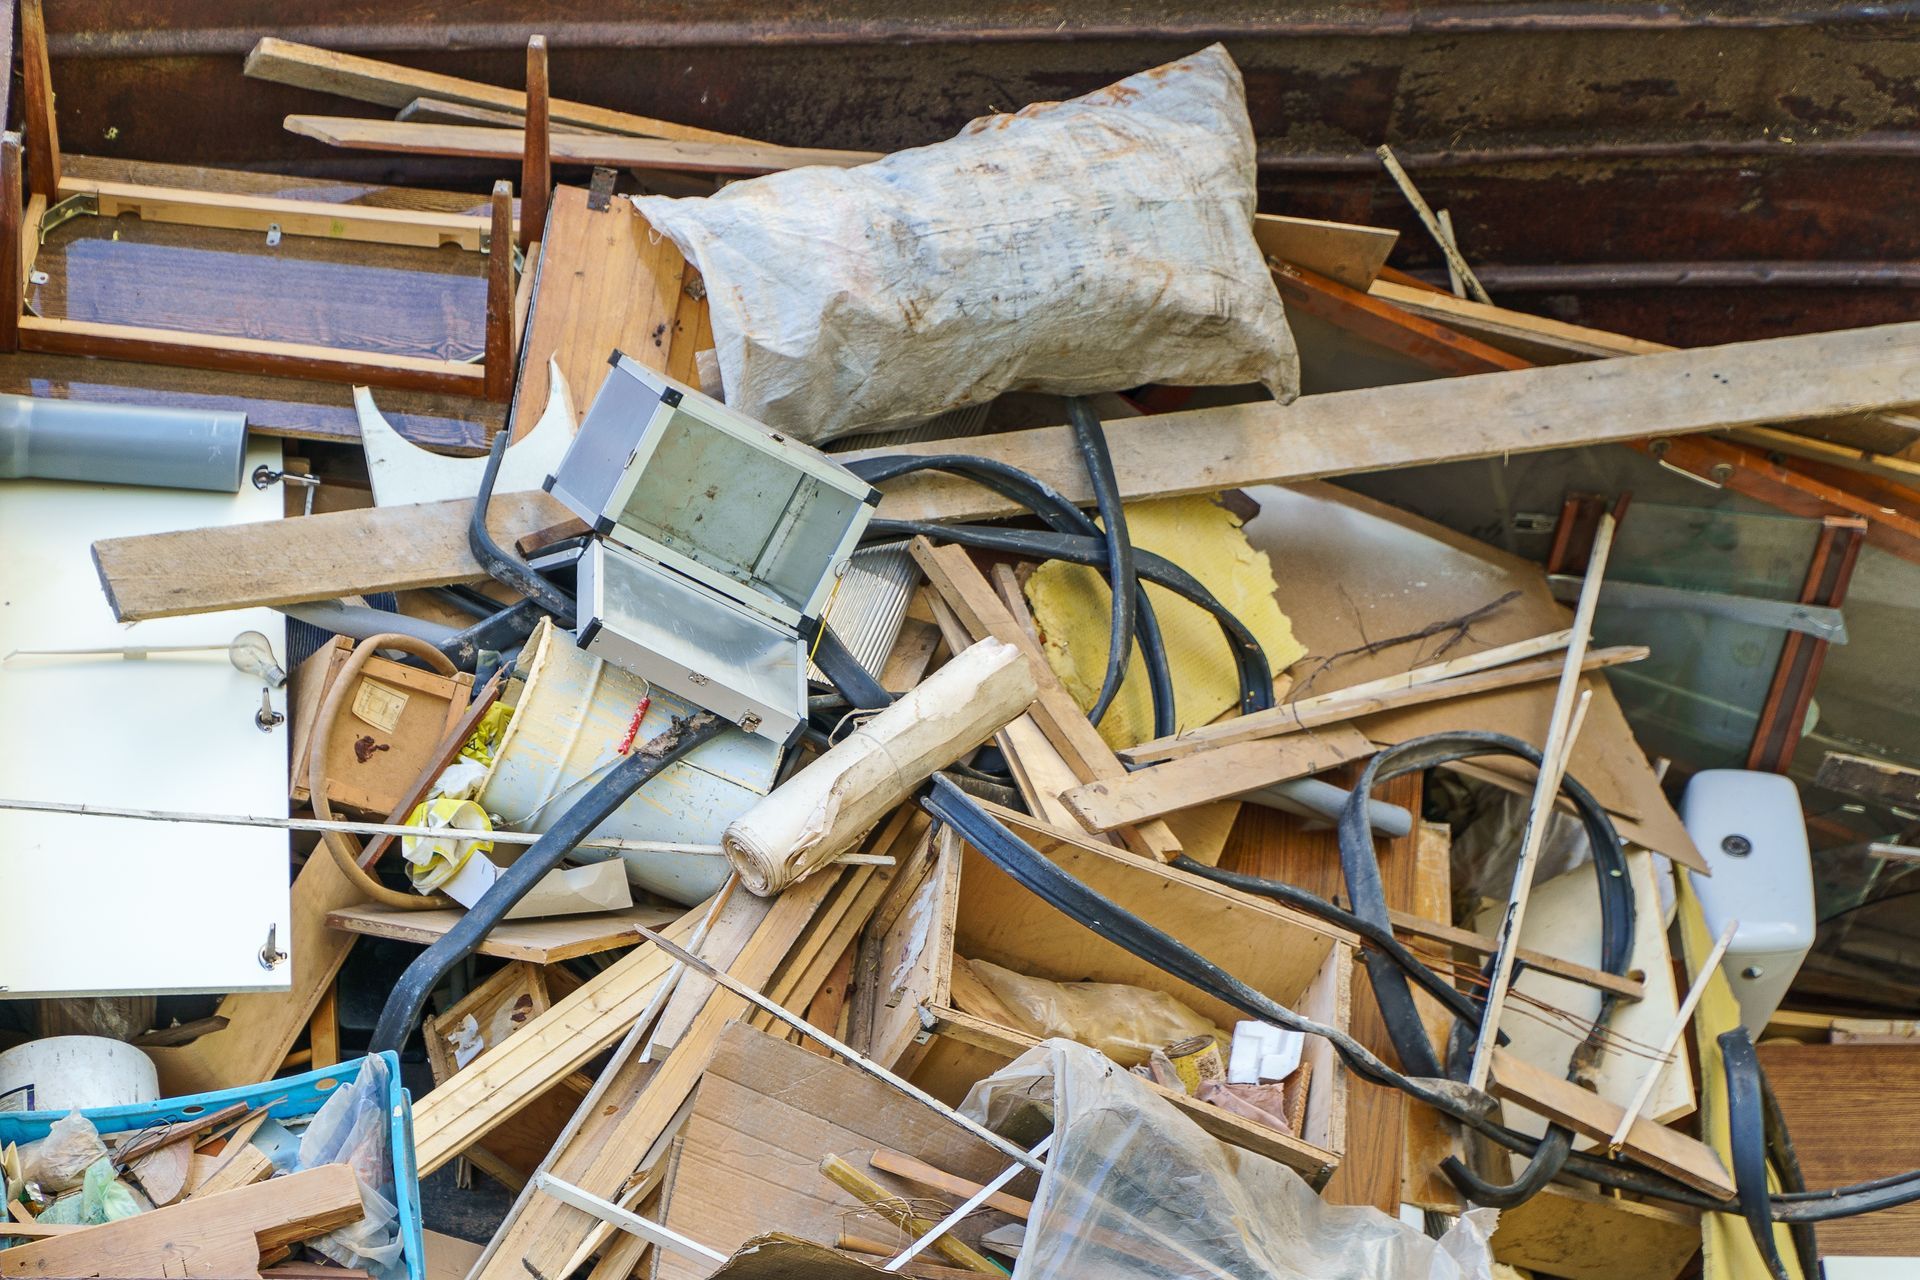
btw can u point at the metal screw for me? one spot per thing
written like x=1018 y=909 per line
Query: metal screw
x=1721 y=471
x=1736 y=846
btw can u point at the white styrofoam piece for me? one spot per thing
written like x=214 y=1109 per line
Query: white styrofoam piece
x=1563 y=920
x=1768 y=888
x=104 y=905
x=403 y=472
x=1262 y=1053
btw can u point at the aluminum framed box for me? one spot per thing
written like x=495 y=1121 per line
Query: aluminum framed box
x=720 y=545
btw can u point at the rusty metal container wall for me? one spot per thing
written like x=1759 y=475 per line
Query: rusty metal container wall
x=1621 y=146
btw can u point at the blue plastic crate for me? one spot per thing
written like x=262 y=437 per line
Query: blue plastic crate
x=302 y=1096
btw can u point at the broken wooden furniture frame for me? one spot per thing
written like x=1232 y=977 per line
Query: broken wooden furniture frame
x=25 y=220
x=912 y=1019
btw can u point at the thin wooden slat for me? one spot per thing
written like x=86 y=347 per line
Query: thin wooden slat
x=391 y=85
x=544 y=941
x=497 y=364
x=185 y=206
x=12 y=269
x=355 y=133
x=1207 y=776
x=246 y=355
x=1342 y=251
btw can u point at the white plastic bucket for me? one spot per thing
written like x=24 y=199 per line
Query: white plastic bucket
x=62 y=1073
x=567 y=727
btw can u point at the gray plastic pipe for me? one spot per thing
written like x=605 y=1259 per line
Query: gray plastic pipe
x=44 y=439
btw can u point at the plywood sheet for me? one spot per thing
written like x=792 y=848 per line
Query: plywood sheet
x=1353 y=571
x=173 y=732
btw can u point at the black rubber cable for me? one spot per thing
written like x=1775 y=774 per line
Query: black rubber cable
x=501 y=564
x=1059 y=514
x=409 y=994
x=1747 y=1128
x=1092 y=439
x=1436 y=986
x=1250 y=660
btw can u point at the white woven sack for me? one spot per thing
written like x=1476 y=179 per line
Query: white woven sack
x=1074 y=247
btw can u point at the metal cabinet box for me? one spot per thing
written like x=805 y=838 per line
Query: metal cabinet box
x=720 y=544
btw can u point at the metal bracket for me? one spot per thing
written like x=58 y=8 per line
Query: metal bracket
x=600 y=190
x=1823 y=622
x=58 y=214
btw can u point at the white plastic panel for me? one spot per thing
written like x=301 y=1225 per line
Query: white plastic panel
x=104 y=905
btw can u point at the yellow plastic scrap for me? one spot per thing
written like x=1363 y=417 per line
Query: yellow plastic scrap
x=486 y=736
x=1727 y=1243
x=1071 y=606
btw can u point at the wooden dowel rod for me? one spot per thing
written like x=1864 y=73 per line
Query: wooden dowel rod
x=1667 y=1042
x=1546 y=789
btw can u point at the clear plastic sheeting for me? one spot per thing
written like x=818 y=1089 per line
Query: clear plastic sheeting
x=1073 y=247
x=351 y=1128
x=1136 y=1191
x=1124 y=1022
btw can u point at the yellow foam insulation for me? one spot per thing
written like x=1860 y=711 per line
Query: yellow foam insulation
x=1728 y=1250
x=1071 y=608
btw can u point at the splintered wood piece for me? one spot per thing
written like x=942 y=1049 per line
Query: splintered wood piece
x=43 y=132
x=1380 y=323
x=1342 y=251
x=218 y=1236
x=900 y=1213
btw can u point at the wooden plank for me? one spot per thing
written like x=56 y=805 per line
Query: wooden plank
x=606 y=282
x=219 y=1236
x=1586 y=1112
x=1333 y=708
x=1409 y=924
x=1201 y=450
x=546 y=941
x=443 y=111
x=1206 y=776
x=323 y=1029
x=1433 y=346
x=1341 y=251
x=391 y=85
x=13 y=271
x=37 y=111
x=1445 y=420
x=536 y=170
x=1430 y=1136
x=1564 y=1231
x=1850 y=1108
x=510 y=1076
x=967 y=592
x=926 y=1175
x=639 y=1107
x=241 y=1166
x=423 y=228
x=1880 y=781
x=496 y=368
x=357 y=133
x=316 y=557
x=247 y=355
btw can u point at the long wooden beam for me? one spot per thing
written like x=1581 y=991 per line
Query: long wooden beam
x=1200 y=451
x=357 y=134
x=392 y=85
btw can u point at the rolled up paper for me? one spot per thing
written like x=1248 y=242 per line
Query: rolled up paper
x=820 y=812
